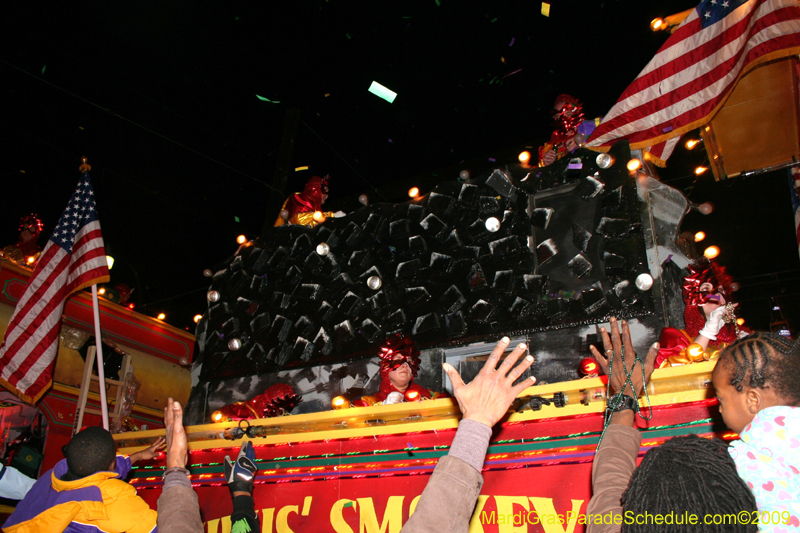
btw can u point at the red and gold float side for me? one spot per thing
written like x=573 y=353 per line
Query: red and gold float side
x=155 y=348
x=363 y=468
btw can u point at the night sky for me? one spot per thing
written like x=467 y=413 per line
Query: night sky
x=162 y=98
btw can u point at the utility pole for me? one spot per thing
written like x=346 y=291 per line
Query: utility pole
x=281 y=175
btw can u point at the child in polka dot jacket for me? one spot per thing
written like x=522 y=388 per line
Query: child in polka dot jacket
x=757 y=381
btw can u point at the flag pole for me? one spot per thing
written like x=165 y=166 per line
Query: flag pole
x=99 y=345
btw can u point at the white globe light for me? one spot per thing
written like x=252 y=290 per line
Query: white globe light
x=604 y=160
x=492 y=224
x=644 y=282
x=323 y=248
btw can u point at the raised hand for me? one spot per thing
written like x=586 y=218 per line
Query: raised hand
x=620 y=356
x=177 y=444
x=486 y=398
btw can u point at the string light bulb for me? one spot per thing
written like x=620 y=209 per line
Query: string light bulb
x=217 y=416
x=319 y=217
x=657 y=24
x=241 y=239
x=524 y=157
x=695 y=352
x=691 y=143
x=197 y=318
x=711 y=252
x=413 y=192
x=161 y=316
x=634 y=165
x=700 y=170
x=101 y=291
x=699 y=236
x=340 y=402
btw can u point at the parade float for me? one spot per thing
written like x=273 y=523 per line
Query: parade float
x=542 y=255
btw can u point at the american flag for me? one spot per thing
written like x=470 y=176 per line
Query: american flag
x=694 y=72
x=73 y=258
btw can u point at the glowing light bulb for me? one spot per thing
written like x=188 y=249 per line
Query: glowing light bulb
x=691 y=143
x=32 y=259
x=197 y=318
x=695 y=352
x=110 y=262
x=524 y=157
x=657 y=24
x=340 y=402
x=161 y=316
x=323 y=248
x=101 y=291
x=412 y=395
x=413 y=192
x=700 y=170
x=131 y=306
x=699 y=236
x=217 y=416
x=711 y=252
x=740 y=321
x=634 y=165
x=241 y=239
x=319 y=217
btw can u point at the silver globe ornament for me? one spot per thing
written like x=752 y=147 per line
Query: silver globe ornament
x=213 y=296
x=604 y=160
x=374 y=282
x=363 y=199
x=234 y=344
x=323 y=248
x=492 y=224
x=644 y=282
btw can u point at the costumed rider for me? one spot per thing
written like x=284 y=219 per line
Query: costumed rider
x=709 y=317
x=302 y=207
x=398 y=368
x=25 y=252
x=569 y=130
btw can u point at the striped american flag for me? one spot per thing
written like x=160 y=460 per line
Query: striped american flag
x=73 y=258
x=694 y=72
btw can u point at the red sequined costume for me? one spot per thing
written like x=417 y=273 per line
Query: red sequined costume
x=565 y=125
x=277 y=400
x=25 y=252
x=301 y=206
x=673 y=342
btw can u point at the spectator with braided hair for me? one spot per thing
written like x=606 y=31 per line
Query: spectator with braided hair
x=757 y=381
x=682 y=477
